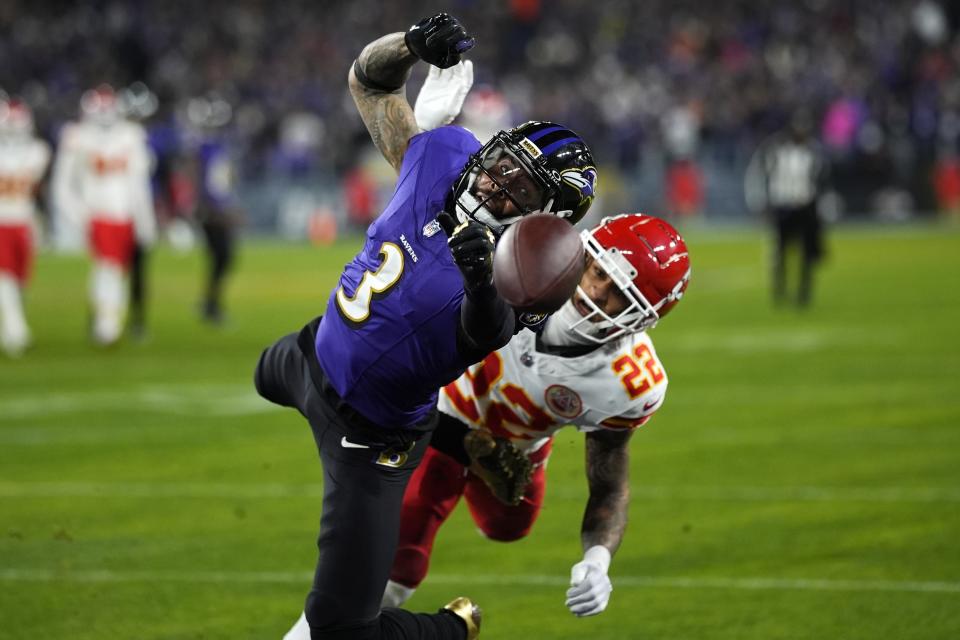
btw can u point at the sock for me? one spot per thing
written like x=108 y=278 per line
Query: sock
x=14 y=333
x=300 y=629
x=109 y=298
x=396 y=594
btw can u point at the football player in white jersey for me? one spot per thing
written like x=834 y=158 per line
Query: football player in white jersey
x=23 y=162
x=593 y=367
x=101 y=183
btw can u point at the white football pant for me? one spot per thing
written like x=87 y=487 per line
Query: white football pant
x=14 y=333
x=108 y=297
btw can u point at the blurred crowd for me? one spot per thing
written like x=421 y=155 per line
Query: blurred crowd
x=677 y=89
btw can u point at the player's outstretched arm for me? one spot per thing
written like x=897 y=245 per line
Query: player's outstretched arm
x=604 y=520
x=377 y=82
x=487 y=322
x=379 y=75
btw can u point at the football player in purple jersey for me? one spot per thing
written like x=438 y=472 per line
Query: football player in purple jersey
x=411 y=311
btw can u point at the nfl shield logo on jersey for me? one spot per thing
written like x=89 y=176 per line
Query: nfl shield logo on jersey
x=431 y=229
x=563 y=401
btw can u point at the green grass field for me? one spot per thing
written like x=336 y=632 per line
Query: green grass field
x=802 y=480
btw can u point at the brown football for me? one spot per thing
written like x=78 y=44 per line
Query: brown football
x=538 y=263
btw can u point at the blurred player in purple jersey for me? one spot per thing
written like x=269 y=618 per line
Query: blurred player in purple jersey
x=411 y=311
x=217 y=211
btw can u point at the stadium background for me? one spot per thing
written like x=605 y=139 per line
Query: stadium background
x=646 y=83
x=801 y=481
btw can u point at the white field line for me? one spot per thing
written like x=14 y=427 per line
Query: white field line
x=527 y=580
x=11 y=489
x=207 y=400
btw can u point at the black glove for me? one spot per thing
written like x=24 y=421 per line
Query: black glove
x=438 y=40
x=472 y=244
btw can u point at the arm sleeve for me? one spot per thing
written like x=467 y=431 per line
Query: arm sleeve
x=448 y=438
x=487 y=323
x=61 y=180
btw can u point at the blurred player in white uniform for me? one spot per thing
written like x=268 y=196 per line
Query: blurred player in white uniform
x=101 y=183
x=23 y=162
x=593 y=367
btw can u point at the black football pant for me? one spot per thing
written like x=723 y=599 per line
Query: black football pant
x=219 y=236
x=363 y=484
x=138 y=287
x=797 y=226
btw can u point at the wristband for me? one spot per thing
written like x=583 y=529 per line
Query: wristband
x=598 y=555
x=365 y=80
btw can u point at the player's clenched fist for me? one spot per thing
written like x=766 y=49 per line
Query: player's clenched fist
x=438 y=40
x=472 y=245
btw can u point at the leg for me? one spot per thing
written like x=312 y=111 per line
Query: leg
x=16 y=257
x=433 y=493
x=357 y=545
x=282 y=375
x=501 y=522
x=360 y=518
x=806 y=275
x=220 y=251
x=779 y=257
x=812 y=251
x=112 y=246
x=106 y=298
x=14 y=333
x=138 y=291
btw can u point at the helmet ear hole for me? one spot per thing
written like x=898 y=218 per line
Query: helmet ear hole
x=564 y=161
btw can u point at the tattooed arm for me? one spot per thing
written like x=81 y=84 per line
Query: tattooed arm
x=604 y=521
x=608 y=475
x=377 y=83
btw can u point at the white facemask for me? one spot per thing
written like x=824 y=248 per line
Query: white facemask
x=557 y=333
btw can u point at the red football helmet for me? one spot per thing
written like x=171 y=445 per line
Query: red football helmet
x=15 y=118
x=647 y=259
x=100 y=105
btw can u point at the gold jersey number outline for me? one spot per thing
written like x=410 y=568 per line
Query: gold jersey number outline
x=356 y=308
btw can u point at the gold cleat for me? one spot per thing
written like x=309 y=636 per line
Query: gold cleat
x=470 y=613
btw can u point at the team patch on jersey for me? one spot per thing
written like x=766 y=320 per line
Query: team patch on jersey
x=563 y=401
x=431 y=229
x=394 y=458
x=532 y=319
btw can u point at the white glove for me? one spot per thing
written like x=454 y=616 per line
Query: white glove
x=590 y=586
x=442 y=95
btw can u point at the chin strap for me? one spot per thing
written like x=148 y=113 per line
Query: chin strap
x=547 y=208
